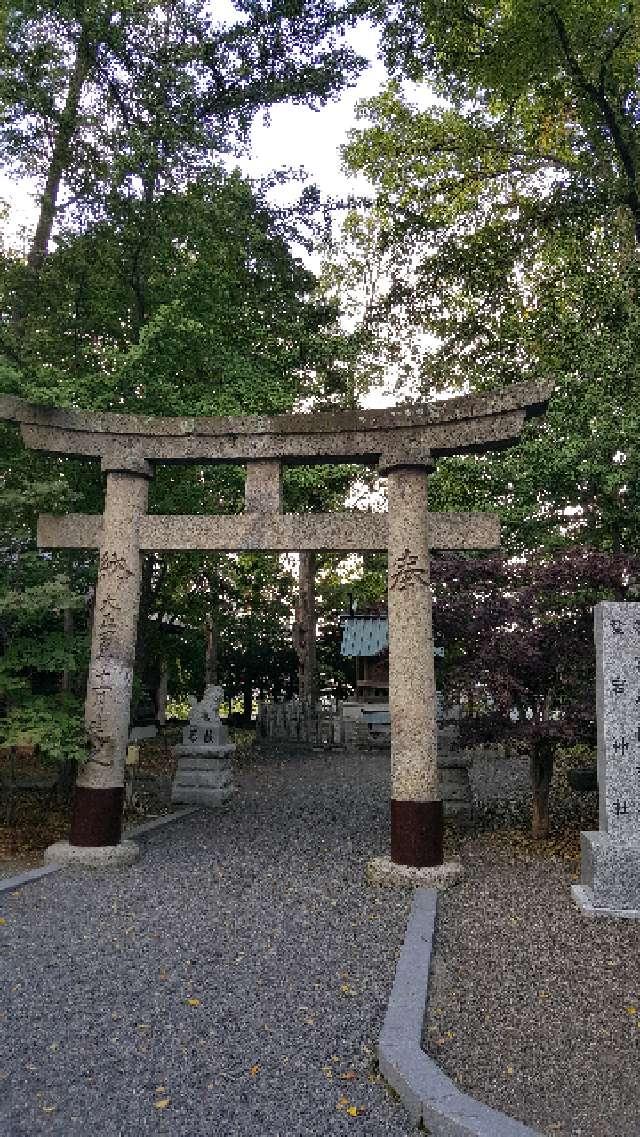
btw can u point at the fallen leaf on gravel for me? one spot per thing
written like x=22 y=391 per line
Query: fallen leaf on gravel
x=2 y=920
x=162 y=1103
x=255 y=1069
x=632 y=1010
x=346 y=989
x=342 y=1102
x=348 y=1076
x=509 y=1069
x=193 y=1002
x=353 y=1110
x=144 y=1026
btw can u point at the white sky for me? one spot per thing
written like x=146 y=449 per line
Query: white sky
x=295 y=137
x=300 y=136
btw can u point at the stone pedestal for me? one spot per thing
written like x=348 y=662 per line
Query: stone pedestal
x=92 y=856
x=204 y=773
x=610 y=877
x=382 y=870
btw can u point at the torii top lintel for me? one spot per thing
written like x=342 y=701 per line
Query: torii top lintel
x=453 y=426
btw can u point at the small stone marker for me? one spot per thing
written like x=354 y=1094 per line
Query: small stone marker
x=610 y=884
x=204 y=774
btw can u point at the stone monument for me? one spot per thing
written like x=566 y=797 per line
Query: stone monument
x=204 y=774
x=610 y=884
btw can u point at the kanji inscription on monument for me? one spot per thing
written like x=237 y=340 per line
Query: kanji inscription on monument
x=611 y=856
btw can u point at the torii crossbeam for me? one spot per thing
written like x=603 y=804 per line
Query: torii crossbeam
x=405 y=442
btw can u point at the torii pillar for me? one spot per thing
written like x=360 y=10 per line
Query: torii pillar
x=416 y=808
x=96 y=820
x=417 y=819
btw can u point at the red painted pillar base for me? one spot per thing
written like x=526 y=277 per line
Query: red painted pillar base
x=417 y=831
x=97 y=816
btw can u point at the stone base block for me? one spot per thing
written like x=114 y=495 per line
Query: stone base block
x=610 y=873
x=206 y=779
x=461 y=811
x=92 y=856
x=382 y=870
x=204 y=753
x=201 y=795
x=202 y=781
x=584 y=899
x=190 y=763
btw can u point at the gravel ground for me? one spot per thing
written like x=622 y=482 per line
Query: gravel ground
x=534 y=1008
x=494 y=779
x=233 y=981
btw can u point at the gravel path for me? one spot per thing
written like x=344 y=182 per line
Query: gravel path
x=499 y=779
x=232 y=982
x=534 y=1008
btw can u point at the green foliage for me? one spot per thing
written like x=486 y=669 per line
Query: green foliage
x=100 y=99
x=170 y=289
x=54 y=725
x=505 y=227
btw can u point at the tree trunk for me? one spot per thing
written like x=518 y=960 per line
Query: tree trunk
x=247 y=699
x=61 y=152
x=161 y=694
x=541 y=772
x=67 y=624
x=305 y=632
x=58 y=166
x=146 y=665
x=211 y=652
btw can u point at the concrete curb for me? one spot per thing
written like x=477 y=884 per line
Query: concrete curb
x=10 y=883
x=428 y=1094
x=159 y=822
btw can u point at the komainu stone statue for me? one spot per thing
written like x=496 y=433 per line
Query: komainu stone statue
x=204 y=773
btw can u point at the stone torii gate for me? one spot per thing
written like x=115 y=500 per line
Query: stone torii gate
x=405 y=443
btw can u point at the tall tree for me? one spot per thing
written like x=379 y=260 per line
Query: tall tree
x=189 y=304
x=506 y=219
x=100 y=98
